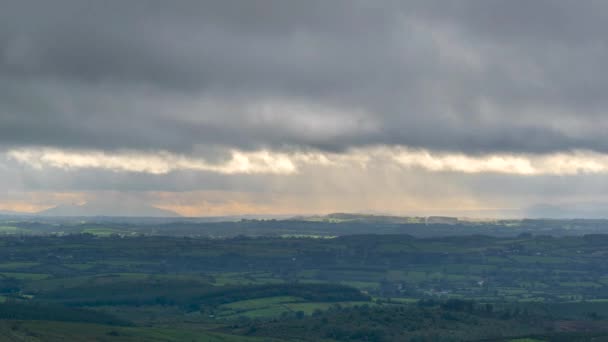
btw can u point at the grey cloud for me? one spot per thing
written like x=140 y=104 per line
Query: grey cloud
x=473 y=76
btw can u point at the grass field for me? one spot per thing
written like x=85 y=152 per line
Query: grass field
x=274 y=307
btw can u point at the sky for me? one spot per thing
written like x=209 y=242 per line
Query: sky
x=481 y=108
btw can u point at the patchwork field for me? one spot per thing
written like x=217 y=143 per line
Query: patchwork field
x=130 y=288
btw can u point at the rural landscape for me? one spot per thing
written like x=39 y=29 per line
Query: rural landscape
x=303 y=171
x=303 y=279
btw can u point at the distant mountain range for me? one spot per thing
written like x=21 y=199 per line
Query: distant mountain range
x=11 y=213
x=96 y=209
x=577 y=210
x=139 y=210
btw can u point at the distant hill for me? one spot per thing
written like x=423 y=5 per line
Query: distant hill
x=13 y=213
x=117 y=210
x=575 y=210
x=362 y=218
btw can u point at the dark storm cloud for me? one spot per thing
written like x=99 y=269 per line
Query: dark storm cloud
x=473 y=76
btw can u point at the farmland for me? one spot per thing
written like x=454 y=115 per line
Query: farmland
x=385 y=287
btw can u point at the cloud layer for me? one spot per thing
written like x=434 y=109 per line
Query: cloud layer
x=473 y=76
x=266 y=162
x=244 y=97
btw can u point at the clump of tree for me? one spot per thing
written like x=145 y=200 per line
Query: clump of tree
x=50 y=312
x=451 y=320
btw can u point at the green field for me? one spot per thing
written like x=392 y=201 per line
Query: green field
x=109 y=287
x=275 y=306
